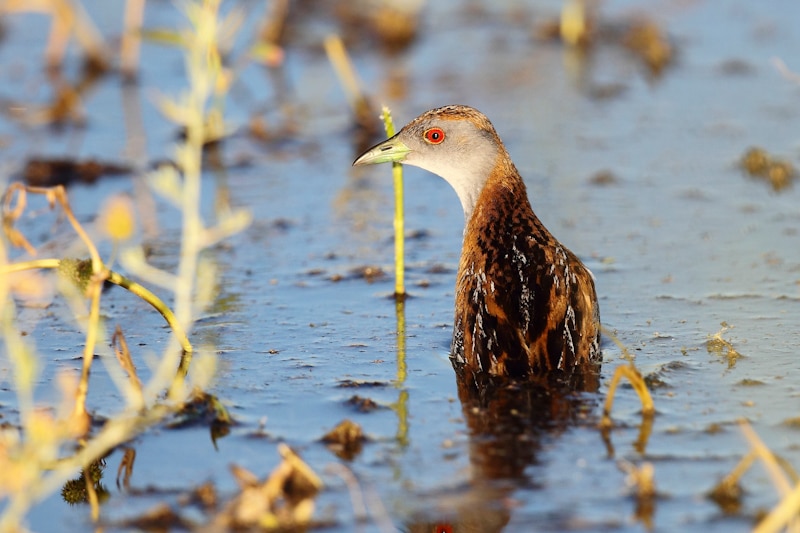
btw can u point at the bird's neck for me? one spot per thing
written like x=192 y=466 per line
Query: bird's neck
x=501 y=173
x=502 y=200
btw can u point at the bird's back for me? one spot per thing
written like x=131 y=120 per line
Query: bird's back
x=525 y=304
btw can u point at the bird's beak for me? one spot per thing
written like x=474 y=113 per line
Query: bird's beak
x=389 y=151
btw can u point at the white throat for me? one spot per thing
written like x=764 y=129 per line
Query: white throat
x=467 y=175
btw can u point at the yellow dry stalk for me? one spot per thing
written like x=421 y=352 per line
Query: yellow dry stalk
x=284 y=500
x=641 y=481
x=784 y=515
x=574 y=24
x=635 y=378
x=345 y=72
x=69 y=20
x=120 y=346
x=401 y=406
x=58 y=195
x=629 y=372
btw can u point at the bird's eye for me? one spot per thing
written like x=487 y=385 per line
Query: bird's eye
x=434 y=135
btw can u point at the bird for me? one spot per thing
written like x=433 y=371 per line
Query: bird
x=525 y=305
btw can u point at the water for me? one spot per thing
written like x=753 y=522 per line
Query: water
x=679 y=242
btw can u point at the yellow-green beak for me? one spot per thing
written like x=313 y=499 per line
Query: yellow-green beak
x=389 y=151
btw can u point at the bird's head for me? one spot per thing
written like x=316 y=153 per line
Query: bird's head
x=455 y=142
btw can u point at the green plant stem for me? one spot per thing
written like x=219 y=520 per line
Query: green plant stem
x=402 y=368
x=122 y=281
x=401 y=407
x=399 y=217
x=155 y=301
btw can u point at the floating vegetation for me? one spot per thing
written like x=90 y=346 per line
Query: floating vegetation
x=581 y=28
x=759 y=164
x=723 y=348
x=351 y=383
x=648 y=41
x=369 y=273
x=345 y=440
x=77 y=491
x=362 y=404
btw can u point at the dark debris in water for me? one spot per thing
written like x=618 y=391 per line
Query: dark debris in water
x=656 y=381
x=369 y=273
x=418 y=234
x=604 y=178
x=160 y=518
x=282 y=502
x=350 y=383
x=363 y=404
x=204 y=496
x=728 y=496
x=204 y=410
x=345 y=440
x=659 y=378
x=747 y=382
x=439 y=268
x=649 y=42
x=736 y=67
x=50 y=172
x=793 y=423
x=75 y=491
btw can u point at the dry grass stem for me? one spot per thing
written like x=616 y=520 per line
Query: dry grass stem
x=120 y=346
x=284 y=500
x=635 y=378
x=785 y=71
x=37 y=460
x=337 y=55
x=727 y=493
x=69 y=19
x=641 y=481
x=131 y=37
x=356 y=494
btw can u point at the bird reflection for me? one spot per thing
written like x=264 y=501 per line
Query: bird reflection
x=507 y=422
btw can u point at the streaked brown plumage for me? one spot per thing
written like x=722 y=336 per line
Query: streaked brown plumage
x=525 y=305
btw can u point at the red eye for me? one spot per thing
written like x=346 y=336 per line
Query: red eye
x=434 y=135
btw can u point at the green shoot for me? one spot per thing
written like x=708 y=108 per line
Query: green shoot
x=399 y=217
